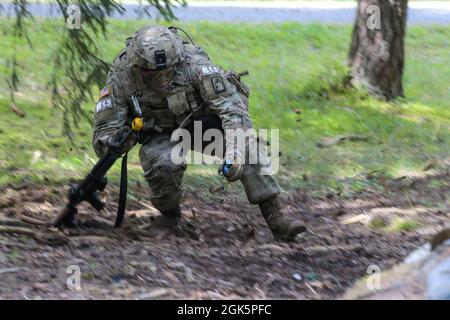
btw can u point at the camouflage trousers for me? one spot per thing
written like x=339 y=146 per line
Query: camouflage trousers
x=165 y=177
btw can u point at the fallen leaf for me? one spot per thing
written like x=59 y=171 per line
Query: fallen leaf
x=17 y=110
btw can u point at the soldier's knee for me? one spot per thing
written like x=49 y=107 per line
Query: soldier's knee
x=165 y=186
x=166 y=189
x=164 y=177
x=165 y=171
x=161 y=166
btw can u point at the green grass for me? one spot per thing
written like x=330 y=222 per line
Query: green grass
x=402 y=224
x=292 y=66
x=398 y=224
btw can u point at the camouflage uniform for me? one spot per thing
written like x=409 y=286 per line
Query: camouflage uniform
x=199 y=87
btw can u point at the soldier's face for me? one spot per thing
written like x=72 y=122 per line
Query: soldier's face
x=158 y=80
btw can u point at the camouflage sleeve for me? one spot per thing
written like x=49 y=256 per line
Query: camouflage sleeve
x=221 y=97
x=111 y=113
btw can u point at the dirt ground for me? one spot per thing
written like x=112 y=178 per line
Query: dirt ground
x=228 y=261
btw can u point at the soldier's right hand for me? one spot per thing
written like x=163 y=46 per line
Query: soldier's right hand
x=122 y=141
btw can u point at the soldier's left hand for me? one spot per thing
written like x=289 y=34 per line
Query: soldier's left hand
x=231 y=170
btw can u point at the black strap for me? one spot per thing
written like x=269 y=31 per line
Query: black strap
x=122 y=192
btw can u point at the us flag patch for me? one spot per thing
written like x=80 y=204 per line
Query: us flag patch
x=104 y=92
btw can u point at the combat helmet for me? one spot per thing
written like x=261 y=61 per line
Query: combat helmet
x=155 y=48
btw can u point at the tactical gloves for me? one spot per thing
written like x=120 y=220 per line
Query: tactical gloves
x=122 y=141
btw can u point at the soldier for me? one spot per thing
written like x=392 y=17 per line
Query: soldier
x=176 y=83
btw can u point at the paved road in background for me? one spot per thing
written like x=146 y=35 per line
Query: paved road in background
x=304 y=12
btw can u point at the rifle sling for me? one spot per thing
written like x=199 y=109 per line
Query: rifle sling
x=122 y=192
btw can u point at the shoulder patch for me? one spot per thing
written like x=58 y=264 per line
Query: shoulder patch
x=103 y=104
x=104 y=92
x=208 y=70
x=218 y=84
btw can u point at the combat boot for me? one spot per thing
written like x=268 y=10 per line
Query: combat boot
x=171 y=221
x=283 y=228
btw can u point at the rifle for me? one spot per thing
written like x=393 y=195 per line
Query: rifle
x=235 y=79
x=95 y=181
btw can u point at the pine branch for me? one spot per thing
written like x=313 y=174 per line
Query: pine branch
x=77 y=62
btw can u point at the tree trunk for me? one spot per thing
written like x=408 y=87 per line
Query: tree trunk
x=376 y=56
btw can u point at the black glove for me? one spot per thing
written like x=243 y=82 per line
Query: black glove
x=122 y=141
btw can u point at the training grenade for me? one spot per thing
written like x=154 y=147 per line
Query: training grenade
x=226 y=167
x=231 y=174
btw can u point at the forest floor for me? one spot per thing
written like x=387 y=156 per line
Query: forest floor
x=138 y=261
x=366 y=202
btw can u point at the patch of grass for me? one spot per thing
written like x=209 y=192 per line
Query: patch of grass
x=402 y=224
x=296 y=76
x=436 y=184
